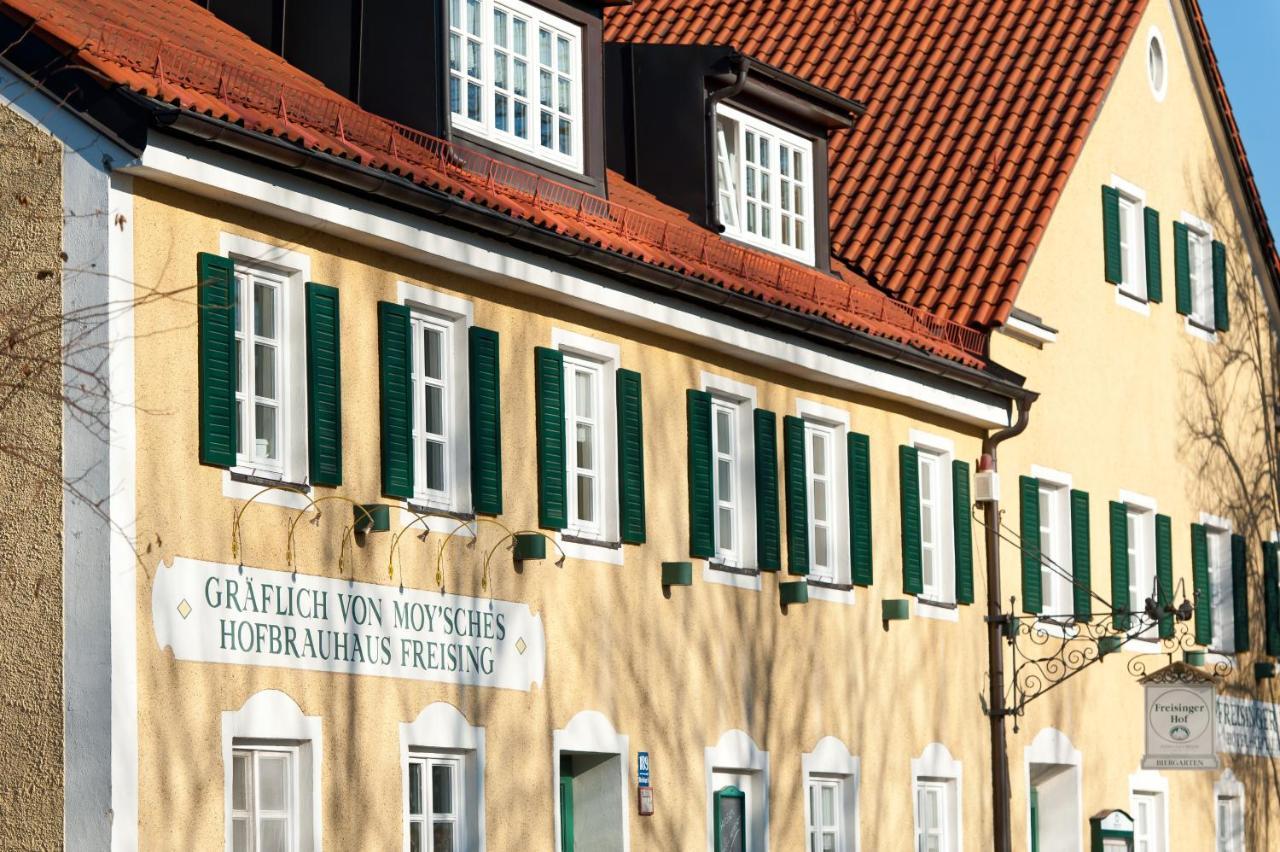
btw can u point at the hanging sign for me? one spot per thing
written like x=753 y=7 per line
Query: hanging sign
x=213 y=613
x=1181 y=719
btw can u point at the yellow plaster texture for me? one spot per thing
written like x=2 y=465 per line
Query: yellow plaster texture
x=1132 y=400
x=30 y=465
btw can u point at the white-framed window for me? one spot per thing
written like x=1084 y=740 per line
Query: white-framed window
x=435 y=379
x=515 y=78
x=1229 y=813
x=1055 y=541
x=726 y=453
x=764 y=184
x=442 y=760
x=831 y=778
x=1140 y=533
x=1200 y=267
x=1217 y=533
x=935 y=787
x=822 y=815
x=271 y=757
x=824 y=529
x=931 y=525
x=736 y=781
x=435 y=821
x=1133 y=256
x=1148 y=821
x=264 y=806
x=583 y=404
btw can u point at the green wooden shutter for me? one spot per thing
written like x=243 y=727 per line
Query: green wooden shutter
x=1119 y=564
x=1271 y=595
x=768 y=532
x=1029 y=531
x=861 y=553
x=1240 y=592
x=1155 y=287
x=961 y=511
x=631 y=457
x=1081 y=561
x=1200 y=584
x=1181 y=268
x=485 y=400
x=797 y=496
x=216 y=297
x=1111 y=234
x=396 y=399
x=909 y=491
x=1221 y=306
x=1164 y=573
x=702 y=517
x=324 y=385
x=548 y=389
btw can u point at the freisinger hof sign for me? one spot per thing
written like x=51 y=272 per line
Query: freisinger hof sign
x=1181 y=719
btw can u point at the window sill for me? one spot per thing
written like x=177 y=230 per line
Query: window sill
x=938 y=610
x=241 y=485
x=239 y=474
x=830 y=591
x=830 y=584
x=439 y=520
x=1137 y=304
x=590 y=549
x=732 y=569
x=1205 y=332
x=731 y=575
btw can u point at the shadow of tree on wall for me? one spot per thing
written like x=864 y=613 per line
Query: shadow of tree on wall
x=1229 y=414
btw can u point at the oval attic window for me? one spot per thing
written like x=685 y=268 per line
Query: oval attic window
x=1156 y=65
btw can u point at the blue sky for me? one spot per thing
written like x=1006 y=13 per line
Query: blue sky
x=1246 y=39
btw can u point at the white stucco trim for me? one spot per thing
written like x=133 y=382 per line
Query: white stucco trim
x=744 y=395
x=1027 y=332
x=295 y=199
x=1152 y=781
x=807 y=409
x=271 y=715
x=1129 y=188
x=830 y=758
x=1138 y=501
x=440 y=727
x=936 y=762
x=1141 y=307
x=1053 y=747
x=452 y=306
x=736 y=752
x=1154 y=34
x=1229 y=786
x=591 y=732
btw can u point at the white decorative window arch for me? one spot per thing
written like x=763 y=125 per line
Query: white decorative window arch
x=272 y=717
x=830 y=759
x=1054 y=763
x=441 y=729
x=591 y=732
x=736 y=758
x=1149 y=790
x=936 y=767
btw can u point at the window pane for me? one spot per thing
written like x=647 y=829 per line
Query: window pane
x=415 y=837
x=820 y=556
x=565 y=137
x=264 y=371
x=441 y=789
x=584 y=393
x=820 y=501
x=264 y=310
x=828 y=806
x=500 y=112
x=273 y=835
x=273 y=782
x=544 y=47
x=442 y=837
x=435 y=466
x=519 y=40
x=500 y=27
x=818 y=453
x=544 y=89
x=723 y=436
x=435 y=410
x=239 y=782
x=562 y=54
x=415 y=788
x=585 y=446
x=473 y=17
x=265 y=431
x=724 y=480
x=240 y=835
x=726 y=528
x=432 y=344
x=586 y=498
x=520 y=80
x=473 y=101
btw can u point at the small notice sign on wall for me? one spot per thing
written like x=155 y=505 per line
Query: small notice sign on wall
x=1181 y=719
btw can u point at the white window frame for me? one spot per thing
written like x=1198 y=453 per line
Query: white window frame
x=253 y=751
x=1159 y=88
x=294 y=270
x=271 y=720
x=1229 y=789
x=486 y=128
x=742 y=572
x=731 y=162
x=441 y=731
x=830 y=762
x=1200 y=267
x=600 y=543
x=936 y=768
x=1142 y=561
x=737 y=760
x=1056 y=583
x=426 y=761
x=938 y=599
x=576 y=367
x=1132 y=290
x=836 y=587
x=1148 y=782
x=1221 y=582
x=249 y=278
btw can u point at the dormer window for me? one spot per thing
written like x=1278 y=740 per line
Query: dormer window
x=515 y=78
x=764 y=181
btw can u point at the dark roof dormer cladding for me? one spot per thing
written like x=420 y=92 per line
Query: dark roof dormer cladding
x=737 y=144
x=520 y=80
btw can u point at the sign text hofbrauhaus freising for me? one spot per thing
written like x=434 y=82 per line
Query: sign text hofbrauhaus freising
x=210 y=612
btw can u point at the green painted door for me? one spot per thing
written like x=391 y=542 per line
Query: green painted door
x=566 y=813
x=1035 y=820
x=731 y=820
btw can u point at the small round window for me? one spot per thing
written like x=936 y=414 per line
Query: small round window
x=1157 y=73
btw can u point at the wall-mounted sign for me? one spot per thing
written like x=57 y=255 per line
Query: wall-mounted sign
x=1248 y=727
x=213 y=613
x=642 y=768
x=1181 y=719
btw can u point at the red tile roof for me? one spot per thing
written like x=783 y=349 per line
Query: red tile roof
x=976 y=113
x=177 y=52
